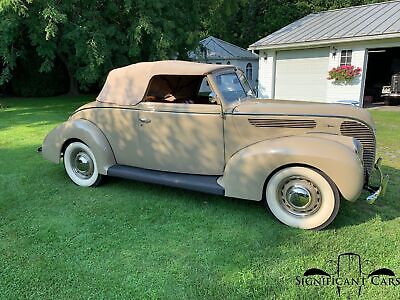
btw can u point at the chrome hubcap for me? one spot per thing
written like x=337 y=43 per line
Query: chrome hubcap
x=82 y=164
x=299 y=196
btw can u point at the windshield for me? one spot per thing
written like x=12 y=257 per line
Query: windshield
x=234 y=86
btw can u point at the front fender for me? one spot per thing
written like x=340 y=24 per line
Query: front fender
x=84 y=131
x=246 y=172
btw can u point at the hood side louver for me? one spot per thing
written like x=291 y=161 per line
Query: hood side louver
x=283 y=123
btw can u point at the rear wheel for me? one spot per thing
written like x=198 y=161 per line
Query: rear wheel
x=80 y=165
x=302 y=197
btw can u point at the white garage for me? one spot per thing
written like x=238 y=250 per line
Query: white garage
x=291 y=67
x=294 y=62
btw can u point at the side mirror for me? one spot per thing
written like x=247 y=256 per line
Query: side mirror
x=212 y=97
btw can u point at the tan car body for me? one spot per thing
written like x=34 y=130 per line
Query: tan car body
x=243 y=144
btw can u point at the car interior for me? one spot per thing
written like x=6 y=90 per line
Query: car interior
x=186 y=89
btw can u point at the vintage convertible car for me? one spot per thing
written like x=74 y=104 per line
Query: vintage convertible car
x=200 y=127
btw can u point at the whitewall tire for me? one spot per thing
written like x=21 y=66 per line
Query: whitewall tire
x=80 y=165
x=302 y=197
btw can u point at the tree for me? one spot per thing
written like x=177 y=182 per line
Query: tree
x=92 y=37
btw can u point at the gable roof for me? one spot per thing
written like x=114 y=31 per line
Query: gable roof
x=365 y=22
x=219 y=49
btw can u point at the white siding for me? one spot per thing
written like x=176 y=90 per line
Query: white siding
x=301 y=74
x=266 y=74
x=351 y=90
x=241 y=64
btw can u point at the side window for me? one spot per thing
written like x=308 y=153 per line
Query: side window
x=159 y=90
x=249 y=71
x=205 y=89
x=174 y=89
x=204 y=93
x=345 y=57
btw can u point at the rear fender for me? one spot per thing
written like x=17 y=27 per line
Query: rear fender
x=84 y=131
x=246 y=172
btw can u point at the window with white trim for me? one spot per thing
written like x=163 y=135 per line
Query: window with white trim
x=345 y=57
x=249 y=71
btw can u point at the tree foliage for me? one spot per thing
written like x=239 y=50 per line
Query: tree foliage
x=90 y=37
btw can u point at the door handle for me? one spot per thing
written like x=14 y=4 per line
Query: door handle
x=144 y=120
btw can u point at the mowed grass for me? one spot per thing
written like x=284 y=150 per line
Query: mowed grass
x=127 y=240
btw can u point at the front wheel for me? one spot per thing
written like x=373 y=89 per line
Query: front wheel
x=302 y=197
x=80 y=165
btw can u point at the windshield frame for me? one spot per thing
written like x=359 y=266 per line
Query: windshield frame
x=242 y=80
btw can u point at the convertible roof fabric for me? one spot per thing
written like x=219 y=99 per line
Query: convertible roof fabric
x=128 y=85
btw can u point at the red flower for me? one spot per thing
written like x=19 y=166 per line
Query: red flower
x=344 y=73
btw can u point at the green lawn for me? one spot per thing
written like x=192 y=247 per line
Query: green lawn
x=128 y=240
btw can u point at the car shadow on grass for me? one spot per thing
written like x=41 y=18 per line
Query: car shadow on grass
x=386 y=208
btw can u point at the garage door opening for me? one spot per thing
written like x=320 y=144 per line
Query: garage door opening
x=382 y=65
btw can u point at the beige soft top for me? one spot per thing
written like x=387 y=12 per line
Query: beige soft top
x=127 y=85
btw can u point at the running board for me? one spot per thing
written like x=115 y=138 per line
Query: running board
x=200 y=183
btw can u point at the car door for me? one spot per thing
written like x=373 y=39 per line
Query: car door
x=183 y=138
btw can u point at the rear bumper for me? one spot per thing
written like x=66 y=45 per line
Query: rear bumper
x=380 y=189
